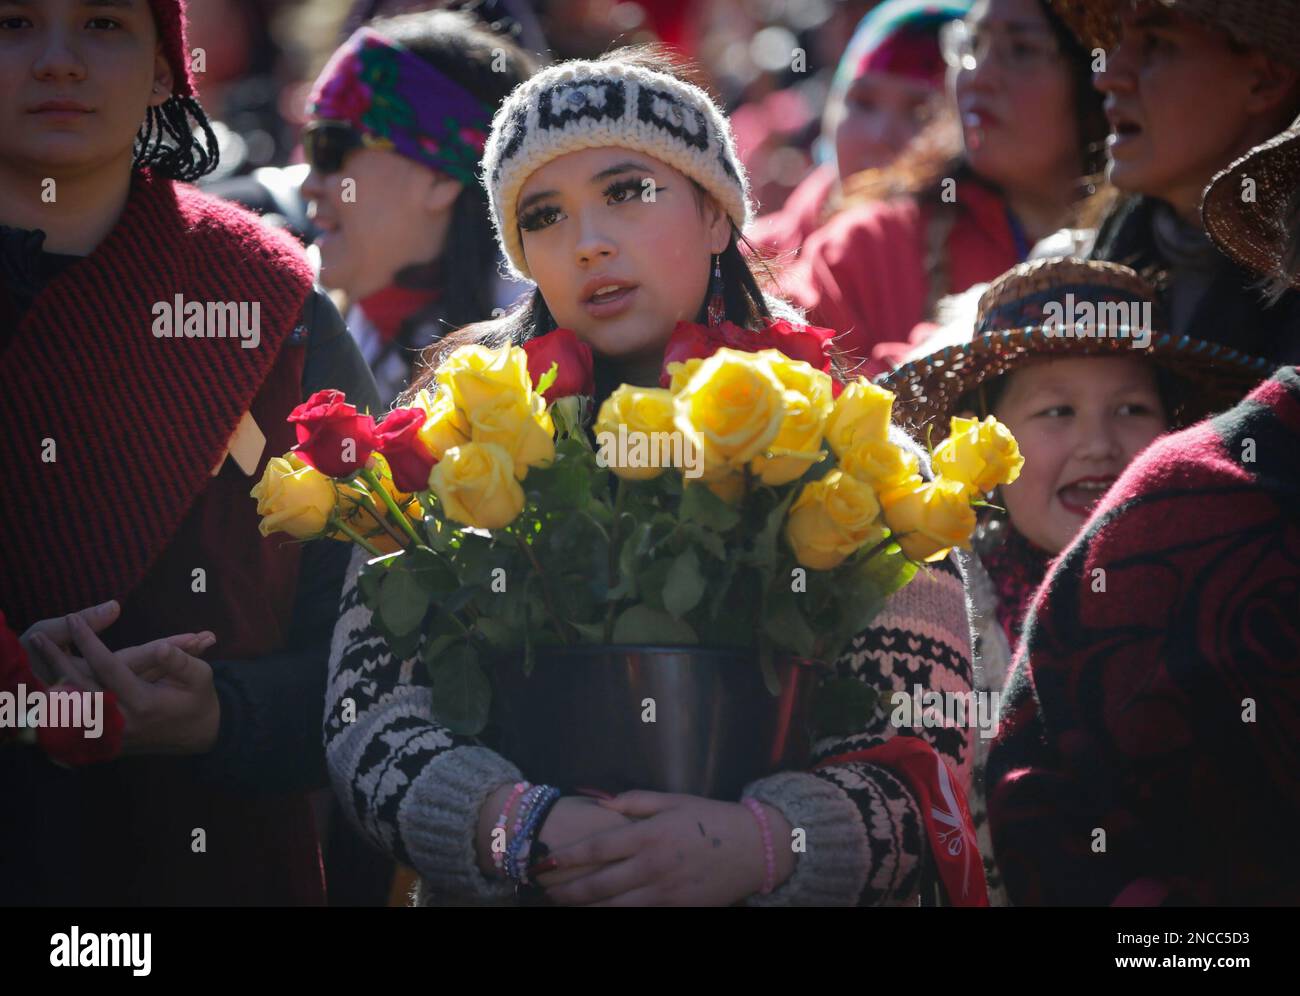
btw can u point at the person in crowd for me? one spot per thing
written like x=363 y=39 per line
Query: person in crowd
x=398 y=119
x=952 y=213
x=1191 y=85
x=886 y=88
x=1081 y=408
x=1148 y=743
x=569 y=155
x=154 y=340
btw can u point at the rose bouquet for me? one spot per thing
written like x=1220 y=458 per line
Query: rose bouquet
x=749 y=502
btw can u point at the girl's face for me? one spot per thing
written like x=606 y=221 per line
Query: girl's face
x=881 y=113
x=620 y=247
x=1179 y=100
x=76 y=78
x=380 y=212
x=1015 y=97
x=1079 y=423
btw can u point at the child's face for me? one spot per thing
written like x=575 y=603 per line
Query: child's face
x=1078 y=422
x=76 y=78
x=1017 y=103
x=1180 y=103
x=613 y=217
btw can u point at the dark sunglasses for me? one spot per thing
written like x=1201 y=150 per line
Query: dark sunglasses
x=326 y=144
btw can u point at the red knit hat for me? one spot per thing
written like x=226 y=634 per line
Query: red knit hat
x=169 y=15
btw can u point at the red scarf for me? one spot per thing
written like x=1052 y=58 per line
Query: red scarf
x=138 y=421
x=948 y=824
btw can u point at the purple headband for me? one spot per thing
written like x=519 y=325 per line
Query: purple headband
x=387 y=92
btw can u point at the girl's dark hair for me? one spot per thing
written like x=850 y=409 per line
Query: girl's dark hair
x=745 y=303
x=489 y=66
x=937 y=155
x=176 y=141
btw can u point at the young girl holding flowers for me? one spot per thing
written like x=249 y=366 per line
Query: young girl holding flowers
x=615 y=186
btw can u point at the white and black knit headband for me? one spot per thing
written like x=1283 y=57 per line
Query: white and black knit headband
x=585 y=105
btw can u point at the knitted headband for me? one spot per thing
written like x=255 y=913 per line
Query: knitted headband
x=586 y=105
x=385 y=90
x=169 y=16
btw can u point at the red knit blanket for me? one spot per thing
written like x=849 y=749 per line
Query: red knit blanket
x=134 y=422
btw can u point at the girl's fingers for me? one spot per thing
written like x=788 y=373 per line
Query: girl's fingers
x=97 y=617
x=104 y=664
x=640 y=804
x=602 y=848
x=603 y=883
x=64 y=666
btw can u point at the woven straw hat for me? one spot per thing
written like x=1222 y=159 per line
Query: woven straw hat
x=1024 y=315
x=1255 y=231
x=1270 y=25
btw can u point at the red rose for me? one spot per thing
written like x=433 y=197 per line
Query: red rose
x=573 y=374
x=408 y=457
x=326 y=423
x=799 y=342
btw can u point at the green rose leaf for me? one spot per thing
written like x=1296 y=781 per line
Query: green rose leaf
x=784 y=622
x=843 y=706
x=701 y=505
x=644 y=625
x=684 y=586
x=461 y=692
x=402 y=601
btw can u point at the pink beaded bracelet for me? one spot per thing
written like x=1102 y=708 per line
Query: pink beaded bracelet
x=769 y=855
x=499 y=857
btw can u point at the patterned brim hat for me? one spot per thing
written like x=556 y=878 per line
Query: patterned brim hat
x=596 y=104
x=1247 y=207
x=1270 y=25
x=1065 y=308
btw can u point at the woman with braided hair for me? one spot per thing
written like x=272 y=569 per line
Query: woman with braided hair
x=159 y=429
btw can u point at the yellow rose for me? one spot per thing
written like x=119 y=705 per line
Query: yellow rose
x=980 y=455
x=293 y=498
x=522 y=427
x=681 y=372
x=479 y=375
x=730 y=410
x=832 y=518
x=646 y=411
x=879 y=463
x=445 y=425
x=928 y=518
x=808 y=401
x=861 y=415
x=477 y=487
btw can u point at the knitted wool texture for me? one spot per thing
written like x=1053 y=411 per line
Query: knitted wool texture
x=169 y=15
x=586 y=105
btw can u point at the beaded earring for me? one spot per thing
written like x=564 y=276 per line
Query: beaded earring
x=717 y=304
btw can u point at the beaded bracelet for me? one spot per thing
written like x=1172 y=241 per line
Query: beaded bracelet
x=526 y=805
x=499 y=854
x=539 y=803
x=769 y=855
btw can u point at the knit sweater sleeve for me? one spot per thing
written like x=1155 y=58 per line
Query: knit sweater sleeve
x=864 y=839
x=411 y=786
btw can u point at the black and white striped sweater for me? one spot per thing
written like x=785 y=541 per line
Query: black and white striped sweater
x=415 y=788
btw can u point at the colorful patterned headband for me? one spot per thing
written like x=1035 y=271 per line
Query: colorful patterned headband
x=384 y=90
